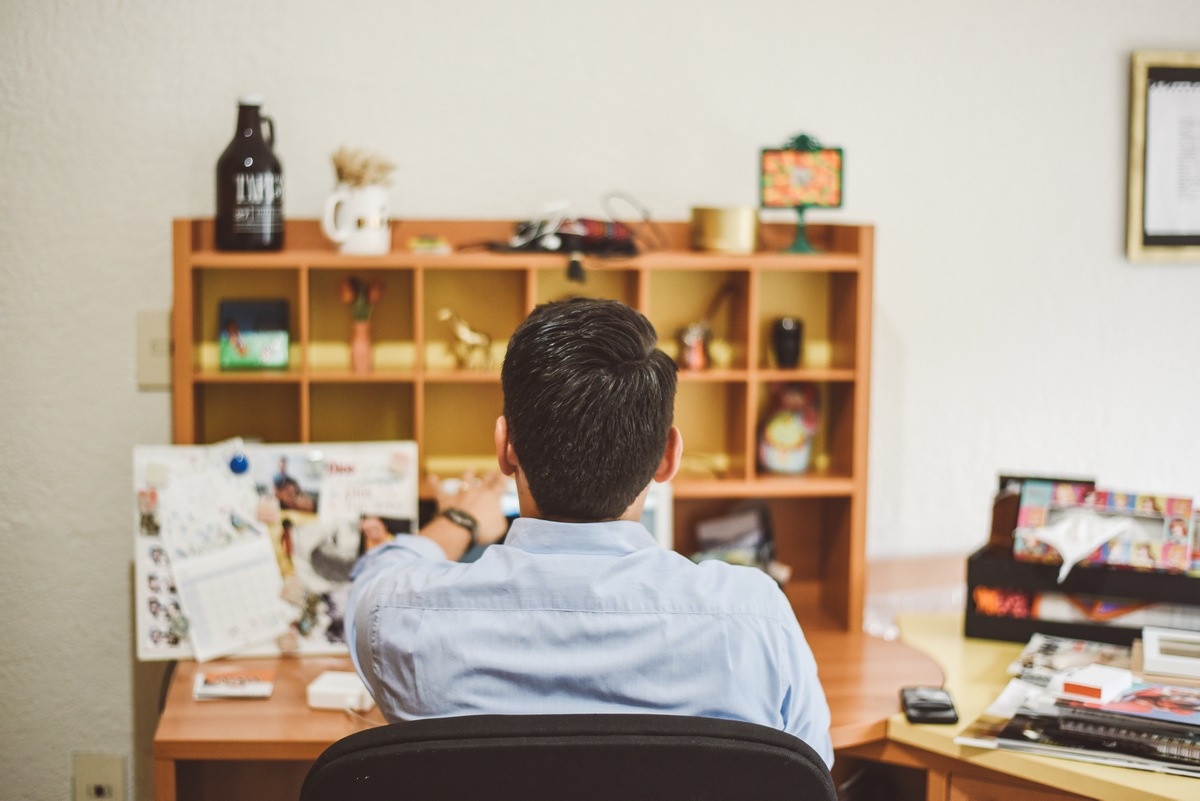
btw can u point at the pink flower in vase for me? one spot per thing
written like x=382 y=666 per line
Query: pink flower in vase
x=361 y=296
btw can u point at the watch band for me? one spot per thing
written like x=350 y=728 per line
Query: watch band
x=465 y=519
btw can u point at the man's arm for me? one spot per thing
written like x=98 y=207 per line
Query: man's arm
x=475 y=517
x=480 y=499
x=806 y=712
x=440 y=540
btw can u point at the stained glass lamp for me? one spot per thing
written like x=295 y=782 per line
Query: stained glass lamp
x=801 y=175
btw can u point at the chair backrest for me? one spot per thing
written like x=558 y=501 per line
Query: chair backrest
x=569 y=758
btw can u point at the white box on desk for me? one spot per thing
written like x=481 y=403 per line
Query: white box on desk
x=1172 y=652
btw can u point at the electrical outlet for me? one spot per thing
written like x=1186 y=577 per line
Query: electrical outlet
x=99 y=777
x=154 y=349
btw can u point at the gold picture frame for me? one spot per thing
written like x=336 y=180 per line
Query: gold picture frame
x=1163 y=219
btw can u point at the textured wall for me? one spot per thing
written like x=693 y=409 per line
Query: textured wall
x=986 y=140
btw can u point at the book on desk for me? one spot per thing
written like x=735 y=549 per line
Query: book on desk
x=233 y=682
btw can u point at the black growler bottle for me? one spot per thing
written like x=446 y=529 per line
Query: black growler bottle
x=250 y=185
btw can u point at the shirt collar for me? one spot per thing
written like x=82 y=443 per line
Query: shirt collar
x=612 y=537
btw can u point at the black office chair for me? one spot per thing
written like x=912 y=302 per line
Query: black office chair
x=569 y=758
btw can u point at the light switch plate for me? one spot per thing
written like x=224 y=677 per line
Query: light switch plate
x=154 y=349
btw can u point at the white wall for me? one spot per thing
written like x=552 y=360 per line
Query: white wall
x=986 y=140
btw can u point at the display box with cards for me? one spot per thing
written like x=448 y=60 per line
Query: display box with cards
x=1011 y=600
x=1011 y=597
x=1155 y=532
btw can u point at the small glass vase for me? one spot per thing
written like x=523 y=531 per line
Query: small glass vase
x=360 y=346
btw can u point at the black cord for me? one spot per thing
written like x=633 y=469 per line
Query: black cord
x=649 y=226
x=166 y=684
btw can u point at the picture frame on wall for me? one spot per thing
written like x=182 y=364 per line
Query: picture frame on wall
x=1164 y=157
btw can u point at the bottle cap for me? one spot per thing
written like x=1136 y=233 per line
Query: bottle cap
x=250 y=100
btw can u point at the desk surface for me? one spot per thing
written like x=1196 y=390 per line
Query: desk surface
x=281 y=727
x=975 y=674
x=861 y=675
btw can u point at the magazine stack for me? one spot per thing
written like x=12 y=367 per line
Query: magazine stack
x=1081 y=700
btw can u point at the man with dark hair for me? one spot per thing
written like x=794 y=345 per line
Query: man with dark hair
x=588 y=404
x=579 y=611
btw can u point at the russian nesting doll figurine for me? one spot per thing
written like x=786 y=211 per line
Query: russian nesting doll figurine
x=785 y=441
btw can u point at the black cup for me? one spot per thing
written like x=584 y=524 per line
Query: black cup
x=787 y=339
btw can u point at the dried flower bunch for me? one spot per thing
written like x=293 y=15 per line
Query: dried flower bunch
x=360 y=168
x=361 y=296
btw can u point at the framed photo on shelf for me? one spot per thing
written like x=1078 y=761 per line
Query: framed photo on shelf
x=1164 y=157
x=801 y=178
x=254 y=334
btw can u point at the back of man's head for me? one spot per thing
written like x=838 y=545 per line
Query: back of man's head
x=589 y=401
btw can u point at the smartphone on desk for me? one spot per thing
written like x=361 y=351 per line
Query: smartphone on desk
x=928 y=705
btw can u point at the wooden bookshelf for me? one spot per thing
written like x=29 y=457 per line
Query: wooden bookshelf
x=416 y=392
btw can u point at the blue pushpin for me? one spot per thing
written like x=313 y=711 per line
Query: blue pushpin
x=239 y=463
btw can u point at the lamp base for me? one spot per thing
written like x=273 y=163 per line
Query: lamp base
x=800 y=243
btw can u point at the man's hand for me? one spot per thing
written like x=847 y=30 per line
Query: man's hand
x=478 y=497
x=374 y=533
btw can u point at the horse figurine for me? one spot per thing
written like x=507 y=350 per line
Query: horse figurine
x=472 y=348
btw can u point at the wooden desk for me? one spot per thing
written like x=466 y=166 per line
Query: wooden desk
x=261 y=749
x=246 y=747
x=975 y=674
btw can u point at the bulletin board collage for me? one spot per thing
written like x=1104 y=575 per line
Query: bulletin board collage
x=246 y=548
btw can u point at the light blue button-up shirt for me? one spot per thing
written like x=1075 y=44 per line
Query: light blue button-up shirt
x=580 y=618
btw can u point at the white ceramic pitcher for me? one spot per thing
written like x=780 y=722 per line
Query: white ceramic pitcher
x=356 y=218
